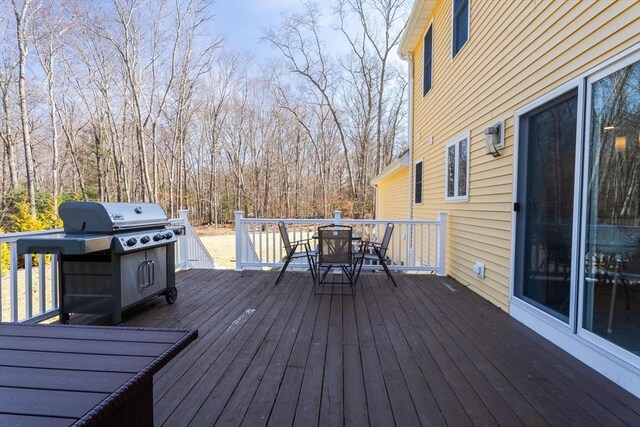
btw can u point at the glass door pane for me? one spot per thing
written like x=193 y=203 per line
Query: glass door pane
x=545 y=195
x=612 y=246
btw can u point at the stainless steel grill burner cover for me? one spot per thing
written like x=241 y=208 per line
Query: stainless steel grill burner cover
x=113 y=256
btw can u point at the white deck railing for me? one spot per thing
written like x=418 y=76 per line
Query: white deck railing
x=30 y=294
x=23 y=296
x=190 y=251
x=417 y=246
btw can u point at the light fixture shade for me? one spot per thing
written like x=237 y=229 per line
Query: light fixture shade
x=620 y=143
x=492 y=140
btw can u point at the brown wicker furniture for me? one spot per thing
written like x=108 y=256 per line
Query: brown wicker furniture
x=82 y=375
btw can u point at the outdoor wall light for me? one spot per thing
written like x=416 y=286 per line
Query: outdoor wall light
x=494 y=139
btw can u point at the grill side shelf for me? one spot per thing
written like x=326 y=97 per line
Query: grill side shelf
x=63 y=245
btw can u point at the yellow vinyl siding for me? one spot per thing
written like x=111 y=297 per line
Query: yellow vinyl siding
x=392 y=194
x=392 y=197
x=517 y=51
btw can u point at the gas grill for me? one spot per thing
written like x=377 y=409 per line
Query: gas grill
x=112 y=257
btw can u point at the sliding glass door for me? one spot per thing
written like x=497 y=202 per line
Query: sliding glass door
x=611 y=204
x=545 y=214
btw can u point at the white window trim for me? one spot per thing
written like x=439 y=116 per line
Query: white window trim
x=456 y=198
x=413 y=195
x=453 y=55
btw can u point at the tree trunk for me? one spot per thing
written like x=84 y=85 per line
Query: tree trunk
x=8 y=139
x=24 y=112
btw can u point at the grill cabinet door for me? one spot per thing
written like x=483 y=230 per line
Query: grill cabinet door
x=144 y=274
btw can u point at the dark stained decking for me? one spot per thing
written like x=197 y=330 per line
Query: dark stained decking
x=429 y=352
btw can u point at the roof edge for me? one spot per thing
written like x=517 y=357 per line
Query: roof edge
x=399 y=162
x=420 y=13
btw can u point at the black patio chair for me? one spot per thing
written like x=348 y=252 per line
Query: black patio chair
x=292 y=252
x=334 y=250
x=376 y=252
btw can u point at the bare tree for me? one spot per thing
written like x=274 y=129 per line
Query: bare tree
x=23 y=16
x=364 y=95
x=7 y=133
x=382 y=23
x=47 y=42
x=132 y=100
x=299 y=42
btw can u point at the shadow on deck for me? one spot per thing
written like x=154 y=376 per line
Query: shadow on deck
x=428 y=352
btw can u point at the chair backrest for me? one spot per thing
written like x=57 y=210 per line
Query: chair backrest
x=285 y=237
x=334 y=244
x=386 y=239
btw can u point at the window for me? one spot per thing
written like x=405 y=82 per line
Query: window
x=428 y=61
x=457 y=169
x=418 y=184
x=460 y=25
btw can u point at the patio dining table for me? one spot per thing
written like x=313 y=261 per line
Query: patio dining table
x=60 y=375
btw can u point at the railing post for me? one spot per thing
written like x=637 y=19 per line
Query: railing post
x=54 y=280
x=411 y=256
x=442 y=244
x=183 y=214
x=337 y=217
x=13 y=280
x=28 y=285
x=239 y=239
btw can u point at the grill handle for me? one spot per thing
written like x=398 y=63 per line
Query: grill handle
x=146 y=274
x=151 y=267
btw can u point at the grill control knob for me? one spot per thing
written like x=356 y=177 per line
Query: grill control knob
x=132 y=241
x=168 y=235
x=145 y=239
x=157 y=237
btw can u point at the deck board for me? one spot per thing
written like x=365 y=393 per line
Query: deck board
x=428 y=352
x=586 y=403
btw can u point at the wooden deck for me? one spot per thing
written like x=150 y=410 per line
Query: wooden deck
x=429 y=352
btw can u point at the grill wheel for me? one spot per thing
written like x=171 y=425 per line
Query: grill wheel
x=171 y=295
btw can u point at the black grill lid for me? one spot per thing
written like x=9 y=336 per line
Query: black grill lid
x=95 y=217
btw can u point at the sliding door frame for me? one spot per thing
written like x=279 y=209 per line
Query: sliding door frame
x=612 y=361
x=610 y=347
x=521 y=115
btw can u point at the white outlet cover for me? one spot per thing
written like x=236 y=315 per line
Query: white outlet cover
x=478 y=269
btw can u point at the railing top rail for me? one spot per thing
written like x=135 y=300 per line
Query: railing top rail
x=11 y=237
x=332 y=220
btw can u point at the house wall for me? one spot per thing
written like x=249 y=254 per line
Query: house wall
x=392 y=195
x=517 y=51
